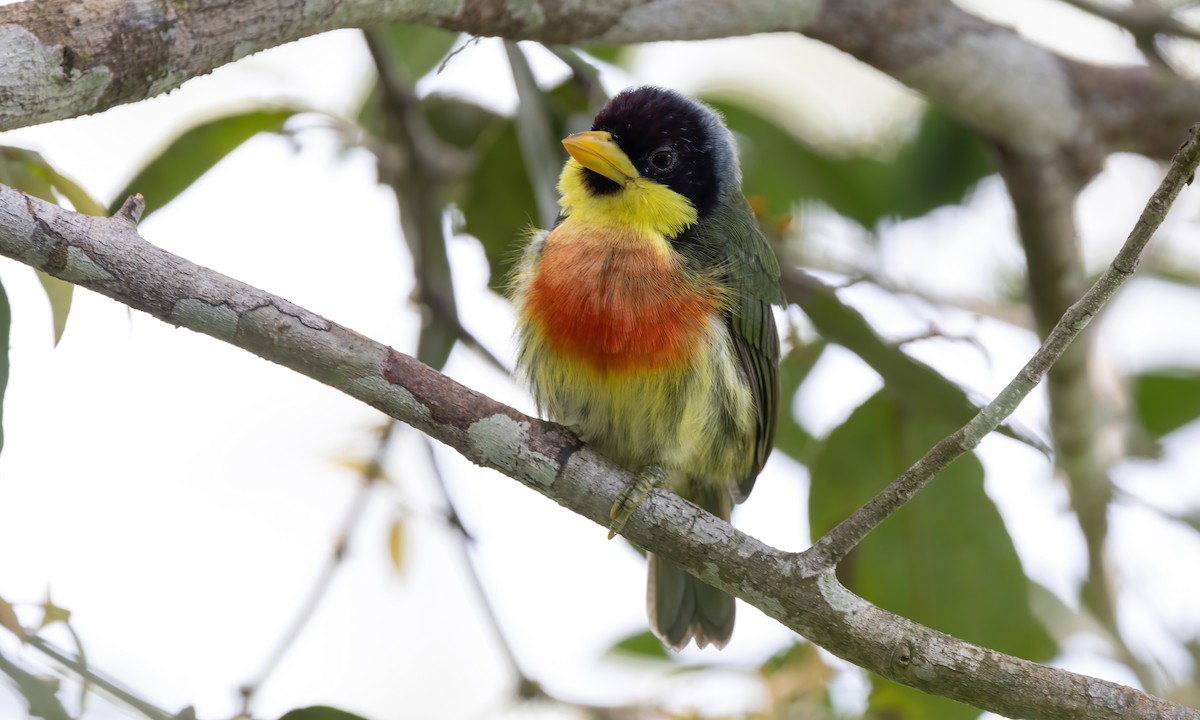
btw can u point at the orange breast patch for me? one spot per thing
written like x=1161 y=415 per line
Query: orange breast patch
x=617 y=304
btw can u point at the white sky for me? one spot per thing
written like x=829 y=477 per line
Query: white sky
x=179 y=495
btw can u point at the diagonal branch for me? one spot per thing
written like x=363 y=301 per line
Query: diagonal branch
x=1044 y=194
x=831 y=548
x=800 y=590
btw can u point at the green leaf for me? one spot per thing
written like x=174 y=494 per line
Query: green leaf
x=193 y=153
x=9 y=620
x=5 y=327
x=498 y=206
x=25 y=170
x=938 y=165
x=900 y=702
x=462 y=124
x=611 y=54
x=944 y=560
x=30 y=173
x=643 y=646
x=1166 y=400
x=79 y=198
x=319 y=712
x=59 y=293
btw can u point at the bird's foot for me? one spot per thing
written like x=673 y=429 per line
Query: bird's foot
x=631 y=497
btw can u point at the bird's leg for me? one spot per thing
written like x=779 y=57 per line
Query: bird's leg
x=635 y=492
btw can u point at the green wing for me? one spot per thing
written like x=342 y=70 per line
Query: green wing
x=732 y=238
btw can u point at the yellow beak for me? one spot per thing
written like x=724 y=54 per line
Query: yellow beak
x=597 y=151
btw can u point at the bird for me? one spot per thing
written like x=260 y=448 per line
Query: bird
x=645 y=324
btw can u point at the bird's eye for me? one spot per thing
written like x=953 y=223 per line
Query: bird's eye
x=663 y=159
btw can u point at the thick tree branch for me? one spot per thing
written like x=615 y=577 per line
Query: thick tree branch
x=108 y=256
x=62 y=58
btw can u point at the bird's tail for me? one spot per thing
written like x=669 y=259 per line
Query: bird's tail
x=682 y=608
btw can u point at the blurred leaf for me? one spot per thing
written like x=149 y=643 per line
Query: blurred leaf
x=643 y=646
x=797 y=679
x=319 y=712
x=59 y=293
x=781 y=170
x=9 y=621
x=30 y=173
x=396 y=543
x=436 y=340
x=914 y=382
x=41 y=693
x=460 y=123
x=611 y=54
x=79 y=198
x=890 y=701
x=193 y=153
x=498 y=206
x=944 y=560
x=936 y=166
x=419 y=48
x=456 y=121
x=790 y=436
x=1059 y=619
x=25 y=170
x=52 y=613
x=1166 y=400
x=5 y=327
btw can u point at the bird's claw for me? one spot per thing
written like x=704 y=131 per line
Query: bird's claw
x=632 y=495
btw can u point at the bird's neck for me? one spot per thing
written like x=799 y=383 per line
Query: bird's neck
x=642 y=208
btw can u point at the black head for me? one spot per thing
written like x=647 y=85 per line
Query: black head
x=673 y=140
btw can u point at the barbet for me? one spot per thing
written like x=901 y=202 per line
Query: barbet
x=645 y=323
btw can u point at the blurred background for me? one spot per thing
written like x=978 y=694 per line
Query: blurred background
x=209 y=530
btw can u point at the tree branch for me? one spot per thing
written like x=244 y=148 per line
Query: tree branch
x=108 y=256
x=62 y=58
x=835 y=544
x=1044 y=194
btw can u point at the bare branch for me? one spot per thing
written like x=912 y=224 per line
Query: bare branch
x=93 y=677
x=324 y=581
x=1044 y=194
x=108 y=256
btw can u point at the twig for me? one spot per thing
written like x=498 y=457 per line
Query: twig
x=418 y=166
x=90 y=675
x=1045 y=193
x=324 y=580
x=527 y=688
x=834 y=545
